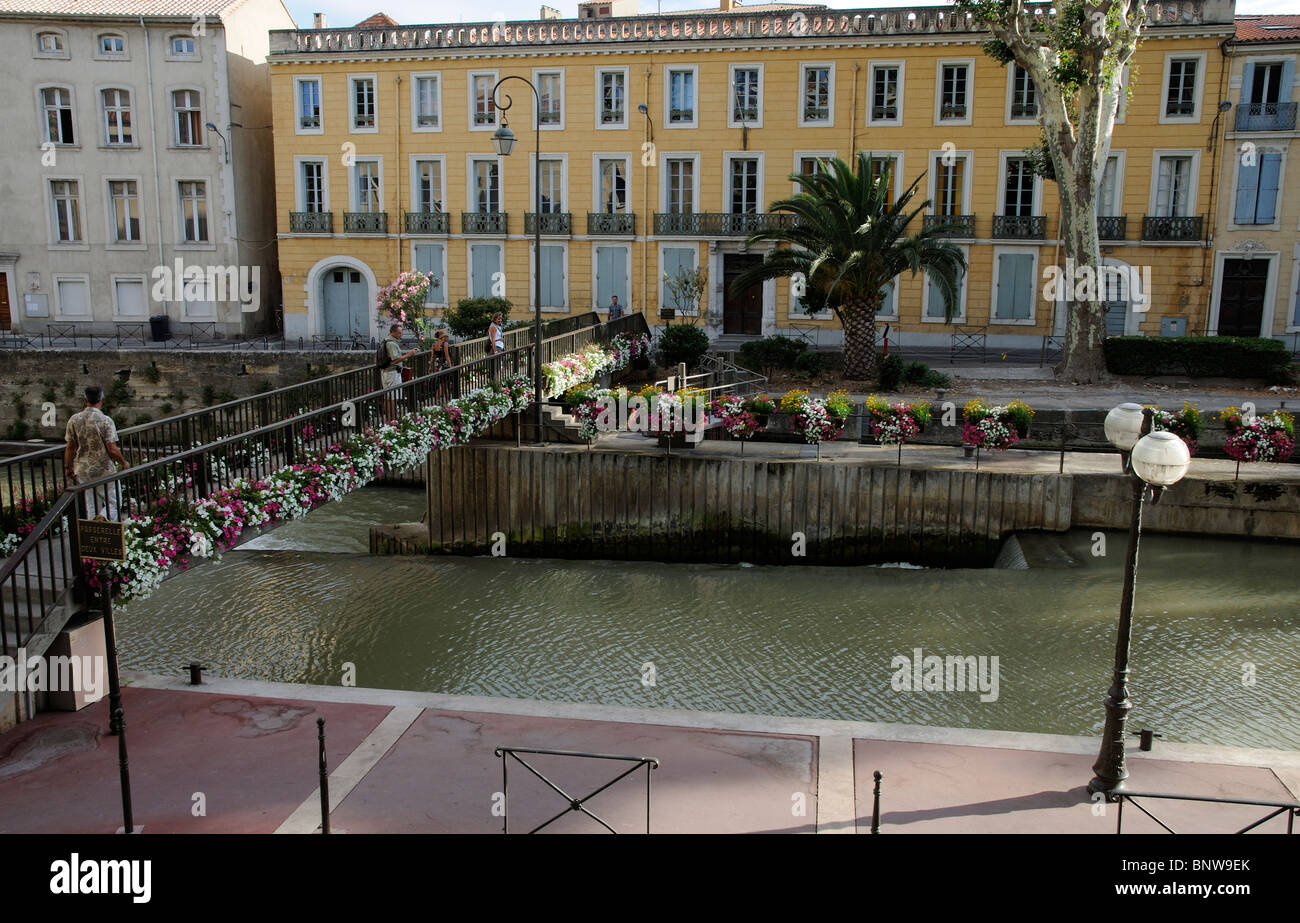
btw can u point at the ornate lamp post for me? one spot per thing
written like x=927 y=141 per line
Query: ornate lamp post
x=1154 y=461
x=503 y=141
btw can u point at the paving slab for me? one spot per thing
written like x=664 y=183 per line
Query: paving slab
x=937 y=788
x=442 y=777
x=254 y=761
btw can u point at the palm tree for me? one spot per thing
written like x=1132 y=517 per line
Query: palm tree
x=847 y=242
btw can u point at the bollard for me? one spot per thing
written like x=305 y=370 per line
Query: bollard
x=875 y=807
x=1145 y=737
x=196 y=672
x=324 y=779
x=128 y=823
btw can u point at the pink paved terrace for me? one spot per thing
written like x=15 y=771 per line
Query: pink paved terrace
x=406 y=762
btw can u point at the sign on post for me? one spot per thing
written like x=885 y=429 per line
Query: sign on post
x=100 y=540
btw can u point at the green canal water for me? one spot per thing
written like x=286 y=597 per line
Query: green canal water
x=1216 y=641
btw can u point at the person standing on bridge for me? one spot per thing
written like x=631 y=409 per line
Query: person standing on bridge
x=89 y=453
x=391 y=370
x=496 y=339
x=441 y=350
x=615 y=309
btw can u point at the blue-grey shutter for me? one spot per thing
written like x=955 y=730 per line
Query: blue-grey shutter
x=552 y=277
x=1247 y=191
x=486 y=259
x=1015 y=286
x=675 y=260
x=428 y=259
x=1270 y=169
x=1288 y=81
x=1247 y=78
x=611 y=275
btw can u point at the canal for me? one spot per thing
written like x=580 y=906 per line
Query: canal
x=1216 y=643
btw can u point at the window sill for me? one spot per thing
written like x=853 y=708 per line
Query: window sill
x=188 y=147
x=125 y=247
x=1026 y=322
x=69 y=245
x=119 y=147
x=195 y=246
x=54 y=56
x=60 y=146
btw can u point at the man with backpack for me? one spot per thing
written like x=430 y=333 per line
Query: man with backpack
x=389 y=358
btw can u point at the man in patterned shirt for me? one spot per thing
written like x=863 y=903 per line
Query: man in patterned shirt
x=90 y=452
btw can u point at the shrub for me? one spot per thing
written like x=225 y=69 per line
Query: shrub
x=471 y=317
x=208 y=396
x=770 y=353
x=225 y=396
x=151 y=374
x=809 y=363
x=1198 y=357
x=891 y=373
x=921 y=375
x=683 y=343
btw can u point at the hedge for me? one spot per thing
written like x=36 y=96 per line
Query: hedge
x=1198 y=357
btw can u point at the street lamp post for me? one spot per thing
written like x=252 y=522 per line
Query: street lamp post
x=1154 y=461
x=503 y=140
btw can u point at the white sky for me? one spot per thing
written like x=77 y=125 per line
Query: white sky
x=341 y=13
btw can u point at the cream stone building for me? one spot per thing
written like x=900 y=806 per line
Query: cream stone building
x=1256 y=253
x=138 y=143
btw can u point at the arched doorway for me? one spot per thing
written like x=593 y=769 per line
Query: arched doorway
x=345 y=303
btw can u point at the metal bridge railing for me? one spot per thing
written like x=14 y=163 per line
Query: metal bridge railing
x=1289 y=808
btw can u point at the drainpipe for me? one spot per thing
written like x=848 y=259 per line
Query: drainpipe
x=153 y=134
x=397 y=134
x=853 y=116
x=647 y=222
x=1214 y=180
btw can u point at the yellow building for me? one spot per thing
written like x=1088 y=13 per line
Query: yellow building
x=664 y=140
x=1257 y=251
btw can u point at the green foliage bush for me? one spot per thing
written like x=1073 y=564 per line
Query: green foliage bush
x=683 y=343
x=891 y=373
x=1198 y=357
x=151 y=374
x=770 y=353
x=921 y=375
x=809 y=363
x=471 y=317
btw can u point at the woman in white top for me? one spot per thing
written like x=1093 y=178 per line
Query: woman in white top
x=495 y=336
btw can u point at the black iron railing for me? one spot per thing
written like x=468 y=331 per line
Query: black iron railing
x=552 y=222
x=365 y=222
x=1019 y=227
x=1289 y=809
x=311 y=222
x=1112 y=227
x=426 y=222
x=1266 y=117
x=483 y=222
x=960 y=226
x=1183 y=228
x=718 y=224
x=572 y=804
x=602 y=223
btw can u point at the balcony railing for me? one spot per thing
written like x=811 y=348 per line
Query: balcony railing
x=1266 y=117
x=952 y=111
x=718 y=224
x=1112 y=227
x=681 y=115
x=602 y=223
x=611 y=116
x=819 y=26
x=1180 y=107
x=365 y=222
x=1155 y=227
x=483 y=222
x=552 y=222
x=485 y=118
x=1019 y=227
x=426 y=222
x=744 y=114
x=956 y=225
x=549 y=117
x=1022 y=110
x=311 y=222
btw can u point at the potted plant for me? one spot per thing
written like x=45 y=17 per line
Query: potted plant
x=760 y=406
x=1186 y=424
x=994 y=427
x=896 y=423
x=1263 y=438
